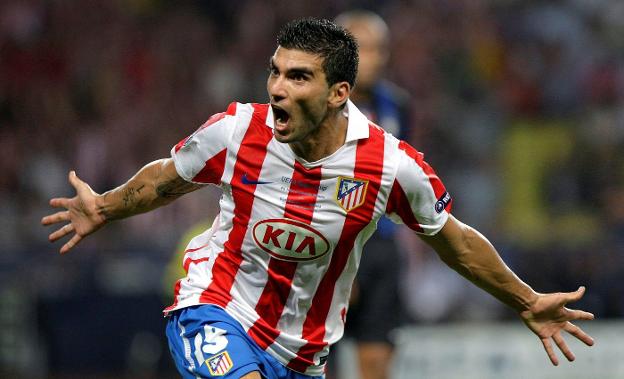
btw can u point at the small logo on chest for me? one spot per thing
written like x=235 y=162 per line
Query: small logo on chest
x=350 y=192
x=246 y=180
x=290 y=240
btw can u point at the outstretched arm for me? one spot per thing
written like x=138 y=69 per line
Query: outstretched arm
x=155 y=185
x=471 y=254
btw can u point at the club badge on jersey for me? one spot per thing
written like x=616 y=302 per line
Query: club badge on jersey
x=350 y=192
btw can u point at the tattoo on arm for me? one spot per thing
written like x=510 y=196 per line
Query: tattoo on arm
x=175 y=188
x=129 y=195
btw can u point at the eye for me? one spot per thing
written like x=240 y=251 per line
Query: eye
x=273 y=70
x=298 y=76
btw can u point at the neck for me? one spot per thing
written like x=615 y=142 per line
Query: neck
x=324 y=140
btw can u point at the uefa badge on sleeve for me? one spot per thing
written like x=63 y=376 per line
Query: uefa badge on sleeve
x=219 y=364
x=442 y=202
x=350 y=192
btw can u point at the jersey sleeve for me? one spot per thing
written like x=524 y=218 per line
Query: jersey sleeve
x=200 y=157
x=418 y=197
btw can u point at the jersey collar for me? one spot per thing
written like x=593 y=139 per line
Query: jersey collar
x=357 y=128
x=358 y=123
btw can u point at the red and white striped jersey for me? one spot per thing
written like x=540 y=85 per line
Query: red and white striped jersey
x=282 y=254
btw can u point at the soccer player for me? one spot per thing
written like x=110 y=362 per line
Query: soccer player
x=376 y=308
x=304 y=180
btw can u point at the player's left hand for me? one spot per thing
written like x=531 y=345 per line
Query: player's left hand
x=81 y=211
x=548 y=317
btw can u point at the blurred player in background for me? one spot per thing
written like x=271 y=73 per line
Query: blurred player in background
x=304 y=179
x=376 y=308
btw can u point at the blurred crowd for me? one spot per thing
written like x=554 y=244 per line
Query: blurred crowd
x=519 y=105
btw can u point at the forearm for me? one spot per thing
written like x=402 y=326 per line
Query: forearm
x=154 y=185
x=469 y=253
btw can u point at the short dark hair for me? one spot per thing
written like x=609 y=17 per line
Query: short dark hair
x=333 y=43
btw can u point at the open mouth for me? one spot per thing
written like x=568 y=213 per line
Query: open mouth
x=280 y=115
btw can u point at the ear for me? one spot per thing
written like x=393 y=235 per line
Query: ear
x=339 y=94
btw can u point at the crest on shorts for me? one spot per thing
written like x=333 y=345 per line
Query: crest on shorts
x=219 y=364
x=350 y=192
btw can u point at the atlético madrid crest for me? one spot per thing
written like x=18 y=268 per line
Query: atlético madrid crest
x=350 y=192
x=219 y=364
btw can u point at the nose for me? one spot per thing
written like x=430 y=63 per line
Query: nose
x=275 y=86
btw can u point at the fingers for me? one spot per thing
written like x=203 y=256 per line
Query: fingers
x=71 y=243
x=563 y=346
x=559 y=316
x=571 y=297
x=76 y=182
x=549 y=350
x=575 y=314
x=73 y=179
x=57 y=217
x=578 y=294
x=64 y=216
x=578 y=333
x=62 y=232
x=63 y=202
x=60 y=202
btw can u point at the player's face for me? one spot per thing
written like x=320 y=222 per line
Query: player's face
x=298 y=92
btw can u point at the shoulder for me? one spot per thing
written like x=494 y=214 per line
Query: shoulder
x=237 y=108
x=257 y=113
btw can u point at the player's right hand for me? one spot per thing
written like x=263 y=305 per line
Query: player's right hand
x=548 y=317
x=81 y=211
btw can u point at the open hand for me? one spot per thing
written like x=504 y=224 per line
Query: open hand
x=81 y=211
x=548 y=316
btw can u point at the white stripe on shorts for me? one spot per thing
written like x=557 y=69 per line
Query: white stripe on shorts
x=187 y=349
x=198 y=347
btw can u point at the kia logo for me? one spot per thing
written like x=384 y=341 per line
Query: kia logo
x=290 y=240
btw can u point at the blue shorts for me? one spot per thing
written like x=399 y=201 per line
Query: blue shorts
x=206 y=342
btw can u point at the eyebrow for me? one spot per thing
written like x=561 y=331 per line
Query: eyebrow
x=295 y=70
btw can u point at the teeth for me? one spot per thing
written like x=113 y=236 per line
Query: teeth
x=280 y=116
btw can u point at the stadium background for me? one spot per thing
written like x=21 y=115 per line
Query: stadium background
x=519 y=105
